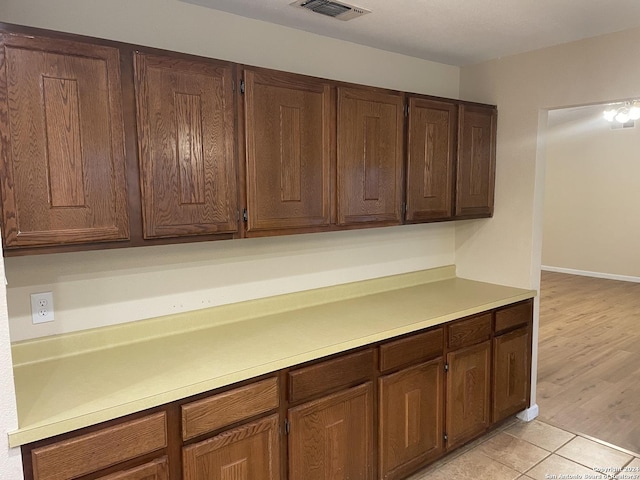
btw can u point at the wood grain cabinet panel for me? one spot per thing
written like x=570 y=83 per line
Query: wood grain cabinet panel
x=511 y=373
x=468 y=393
x=430 y=159
x=332 y=438
x=411 y=418
x=370 y=157
x=288 y=127
x=476 y=166
x=514 y=316
x=62 y=165
x=156 y=470
x=101 y=449
x=186 y=146
x=249 y=452
x=415 y=348
x=469 y=331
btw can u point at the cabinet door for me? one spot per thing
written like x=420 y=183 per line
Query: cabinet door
x=370 y=157
x=468 y=393
x=185 y=137
x=411 y=418
x=511 y=373
x=288 y=132
x=249 y=452
x=156 y=470
x=62 y=169
x=332 y=438
x=476 y=161
x=431 y=148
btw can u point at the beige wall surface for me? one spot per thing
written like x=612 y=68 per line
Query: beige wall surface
x=592 y=195
x=507 y=249
x=93 y=289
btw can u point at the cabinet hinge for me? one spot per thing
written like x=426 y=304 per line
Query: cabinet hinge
x=446 y=367
x=242 y=86
x=445 y=437
x=406 y=110
x=233 y=85
x=245 y=215
x=287 y=427
x=404 y=208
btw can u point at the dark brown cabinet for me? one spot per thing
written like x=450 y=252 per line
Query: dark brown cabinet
x=332 y=437
x=370 y=157
x=187 y=160
x=431 y=147
x=476 y=161
x=62 y=165
x=411 y=418
x=247 y=452
x=156 y=470
x=511 y=373
x=289 y=126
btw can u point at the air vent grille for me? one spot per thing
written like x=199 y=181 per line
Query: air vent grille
x=331 y=8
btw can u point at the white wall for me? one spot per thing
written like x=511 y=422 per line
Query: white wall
x=507 y=249
x=592 y=194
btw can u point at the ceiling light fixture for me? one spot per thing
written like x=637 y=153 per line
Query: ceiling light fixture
x=629 y=111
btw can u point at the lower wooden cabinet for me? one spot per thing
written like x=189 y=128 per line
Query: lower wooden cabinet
x=247 y=452
x=156 y=470
x=468 y=393
x=511 y=373
x=332 y=438
x=411 y=418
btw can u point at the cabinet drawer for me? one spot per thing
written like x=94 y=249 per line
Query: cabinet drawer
x=156 y=470
x=101 y=449
x=413 y=349
x=326 y=376
x=515 y=316
x=218 y=411
x=470 y=331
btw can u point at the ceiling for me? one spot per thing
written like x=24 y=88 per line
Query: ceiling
x=455 y=32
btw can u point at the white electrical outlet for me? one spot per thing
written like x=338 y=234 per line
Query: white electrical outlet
x=42 y=307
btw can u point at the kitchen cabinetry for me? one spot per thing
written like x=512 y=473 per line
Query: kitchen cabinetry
x=62 y=158
x=289 y=126
x=476 y=161
x=156 y=470
x=186 y=146
x=431 y=146
x=469 y=377
x=370 y=157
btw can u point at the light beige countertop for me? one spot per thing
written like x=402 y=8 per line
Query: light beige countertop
x=75 y=380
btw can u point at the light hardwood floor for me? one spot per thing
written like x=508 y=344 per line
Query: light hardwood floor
x=589 y=357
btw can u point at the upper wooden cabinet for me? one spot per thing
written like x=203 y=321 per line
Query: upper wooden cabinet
x=289 y=123
x=186 y=146
x=370 y=156
x=431 y=147
x=476 y=161
x=62 y=165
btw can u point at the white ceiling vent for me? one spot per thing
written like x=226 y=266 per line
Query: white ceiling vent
x=331 y=8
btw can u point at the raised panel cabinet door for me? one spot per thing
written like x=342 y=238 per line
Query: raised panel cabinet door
x=512 y=373
x=370 y=157
x=156 y=470
x=248 y=452
x=475 y=183
x=288 y=129
x=468 y=393
x=62 y=163
x=411 y=418
x=332 y=438
x=186 y=144
x=430 y=157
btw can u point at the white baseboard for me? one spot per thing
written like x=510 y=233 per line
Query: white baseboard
x=586 y=273
x=530 y=413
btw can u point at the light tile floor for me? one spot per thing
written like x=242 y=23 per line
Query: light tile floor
x=534 y=450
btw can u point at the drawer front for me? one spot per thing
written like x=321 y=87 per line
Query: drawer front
x=326 y=376
x=101 y=449
x=414 y=349
x=156 y=470
x=470 y=331
x=515 y=316
x=218 y=411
